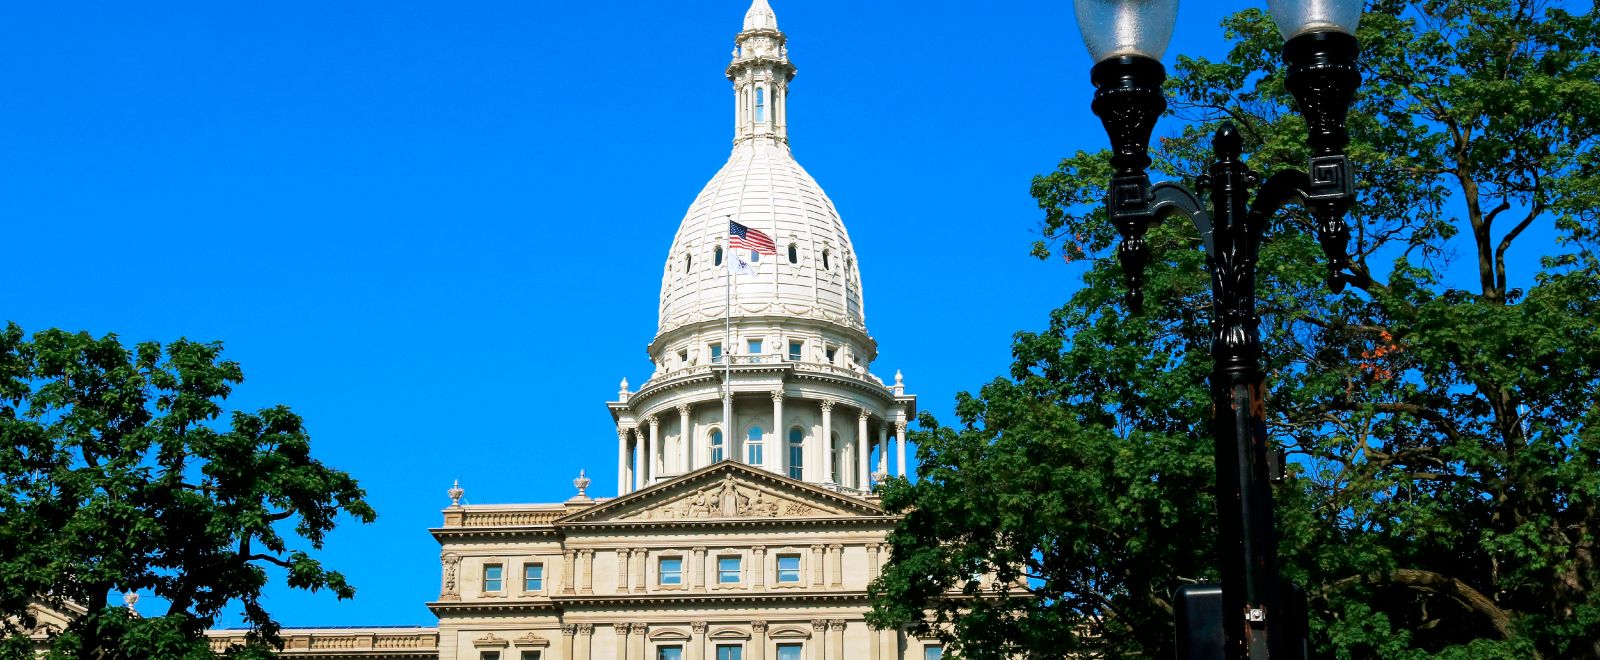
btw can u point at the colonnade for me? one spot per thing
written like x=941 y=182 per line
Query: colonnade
x=651 y=459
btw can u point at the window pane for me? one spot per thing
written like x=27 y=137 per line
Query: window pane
x=788 y=568
x=492 y=577
x=716 y=446
x=533 y=577
x=489 y=655
x=531 y=655
x=726 y=652
x=669 y=653
x=755 y=346
x=932 y=652
x=672 y=571
x=795 y=352
x=789 y=652
x=728 y=569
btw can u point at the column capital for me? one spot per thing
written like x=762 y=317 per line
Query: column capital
x=816 y=547
x=758 y=626
x=569 y=629
x=651 y=420
x=819 y=625
x=865 y=414
x=585 y=629
x=758 y=549
x=836 y=625
x=835 y=546
x=700 y=549
x=900 y=426
x=699 y=627
x=777 y=396
x=827 y=404
x=639 y=628
x=622 y=433
x=683 y=408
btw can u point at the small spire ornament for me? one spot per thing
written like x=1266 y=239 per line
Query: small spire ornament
x=455 y=493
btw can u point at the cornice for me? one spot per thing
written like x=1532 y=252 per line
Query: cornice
x=715 y=598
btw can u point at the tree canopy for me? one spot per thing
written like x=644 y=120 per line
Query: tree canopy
x=119 y=474
x=1443 y=429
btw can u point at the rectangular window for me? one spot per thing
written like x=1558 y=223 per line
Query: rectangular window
x=832 y=351
x=752 y=450
x=788 y=569
x=669 y=653
x=533 y=578
x=730 y=652
x=493 y=578
x=932 y=652
x=716 y=353
x=683 y=356
x=532 y=655
x=488 y=655
x=796 y=351
x=753 y=346
x=789 y=652
x=728 y=570
x=671 y=570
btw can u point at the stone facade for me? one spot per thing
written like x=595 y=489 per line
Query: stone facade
x=745 y=524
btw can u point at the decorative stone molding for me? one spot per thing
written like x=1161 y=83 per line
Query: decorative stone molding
x=758 y=627
x=827 y=404
x=585 y=629
x=699 y=627
x=640 y=628
x=529 y=641
x=490 y=641
x=777 y=396
x=451 y=587
x=730 y=499
x=836 y=625
x=819 y=625
x=569 y=629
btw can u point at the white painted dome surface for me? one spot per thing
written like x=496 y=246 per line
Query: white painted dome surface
x=763 y=188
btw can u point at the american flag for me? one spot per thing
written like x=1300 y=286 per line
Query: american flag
x=741 y=237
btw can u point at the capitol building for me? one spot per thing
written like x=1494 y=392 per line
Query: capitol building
x=746 y=527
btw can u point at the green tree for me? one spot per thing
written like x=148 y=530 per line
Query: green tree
x=1444 y=433
x=118 y=474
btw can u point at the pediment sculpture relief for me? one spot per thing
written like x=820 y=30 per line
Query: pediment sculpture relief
x=729 y=499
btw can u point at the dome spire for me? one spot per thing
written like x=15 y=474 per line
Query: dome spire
x=761 y=73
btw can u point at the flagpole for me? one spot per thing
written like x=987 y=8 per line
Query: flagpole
x=727 y=352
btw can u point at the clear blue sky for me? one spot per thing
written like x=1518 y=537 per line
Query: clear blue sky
x=436 y=230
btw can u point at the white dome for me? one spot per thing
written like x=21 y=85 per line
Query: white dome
x=763 y=188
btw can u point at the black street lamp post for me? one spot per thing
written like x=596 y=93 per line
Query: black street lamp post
x=1254 y=614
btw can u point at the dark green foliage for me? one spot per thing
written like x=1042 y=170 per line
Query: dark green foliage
x=118 y=474
x=1444 y=428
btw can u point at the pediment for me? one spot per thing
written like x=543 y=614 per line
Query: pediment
x=727 y=491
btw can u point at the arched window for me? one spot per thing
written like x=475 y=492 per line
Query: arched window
x=794 y=254
x=716 y=256
x=752 y=446
x=716 y=445
x=825 y=260
x=761 y=106
x=797 y=453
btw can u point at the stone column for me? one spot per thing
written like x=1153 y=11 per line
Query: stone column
x=586 y=571
x=638 y=460
x=889 y=642
x=816 y=566
x=585 y=641
x=569 y=572
x=697 y=641
x=862 y=450
x=900 y=445
x=568 y=646
x=819 y=638
x=836 y=565
x=622 y=462
x=622 y=639
x=775 y=454
x=685 y=440
x=637 y=652
x=872 y=561
x=653 y=465
x=699 y=568
x=836 y=639
x=758 y=640
x=639 y=569
x=827 y=440
x=883 y=447
x=758 y=568
x=622 y=570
